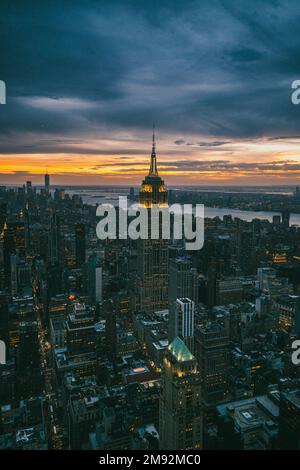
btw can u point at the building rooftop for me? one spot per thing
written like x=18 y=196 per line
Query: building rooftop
x=161 y=344
x=293 y=396
x=253 y=412
x=184 y=300
x=180 y=351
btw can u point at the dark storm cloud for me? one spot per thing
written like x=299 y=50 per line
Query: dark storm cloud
x=214 y=143
x=246 y=55
x=215 y=68
x=292 y=138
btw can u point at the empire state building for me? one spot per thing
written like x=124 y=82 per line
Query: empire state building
x=153 y=253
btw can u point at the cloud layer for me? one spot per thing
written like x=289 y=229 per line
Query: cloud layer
x=89 y=78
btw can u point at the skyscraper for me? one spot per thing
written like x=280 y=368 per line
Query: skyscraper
x=80 y=245
x=285 y=219
x=152 y=282
x=55 y=239
x=182 y=279
x=47 y=184
x=180 y=412
x=245 y=251
x=95 y=281
x=80 y=330
x=212 y=353
x=29 y=379
x=29 y=187
x=110 y=329
x=3 y=214
x=4 y=317
x=182 y=323
x=8 y=248
x=182 y=283
x=289 y=420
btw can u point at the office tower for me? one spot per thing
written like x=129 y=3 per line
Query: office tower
x=4 y=333
x=3 y=214
x=263 y=305
x=28 y=345
x=55 y=240
x=181 y=279
x=180 y=413
x=223 y=253
x=182 y=322
x=152 y=282
x=289 y=420
x=13 y=275
x=18 y=229
x=9 y=247
x=285 y=219
x=58 y=306
x=297 y=317
x=182 y=283
x=229 y=290
x=27 y=230
x=264 y=276
x=59 y=195
x=212 y=353
x=276 y=220
x=20 y=276
x=13 y=238
x=98 y=284
x=287 y=309
x=29 y=187
x=245 y=251
x=212 y=278
x=47 y=184
x=110 y=329
x=80 y=245
x=80 y=330
x=95 y=281
x=29 y=374
x=53 y=280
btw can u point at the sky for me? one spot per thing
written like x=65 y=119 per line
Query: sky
x=85 y=81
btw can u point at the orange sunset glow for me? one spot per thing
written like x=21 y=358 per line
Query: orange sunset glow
x=251 y=162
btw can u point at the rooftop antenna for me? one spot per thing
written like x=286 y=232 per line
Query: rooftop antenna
x=153 y=167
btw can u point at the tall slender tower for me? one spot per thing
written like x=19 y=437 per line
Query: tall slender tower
x=152 y=282
x=47 y=183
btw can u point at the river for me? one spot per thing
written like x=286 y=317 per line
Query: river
x=93 y=196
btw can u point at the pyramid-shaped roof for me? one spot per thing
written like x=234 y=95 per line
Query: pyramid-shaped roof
x=180 y=351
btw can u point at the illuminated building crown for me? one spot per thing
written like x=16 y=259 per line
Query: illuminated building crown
x=153 y=189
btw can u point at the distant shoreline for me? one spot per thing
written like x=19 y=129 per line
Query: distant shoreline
x=284 y=190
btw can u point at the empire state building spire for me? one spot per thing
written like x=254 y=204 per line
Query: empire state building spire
x=153 y=166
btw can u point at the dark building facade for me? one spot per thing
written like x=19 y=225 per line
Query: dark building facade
x=212 y=353
x=181 y=419
x=289 y=421
x=80 y=245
